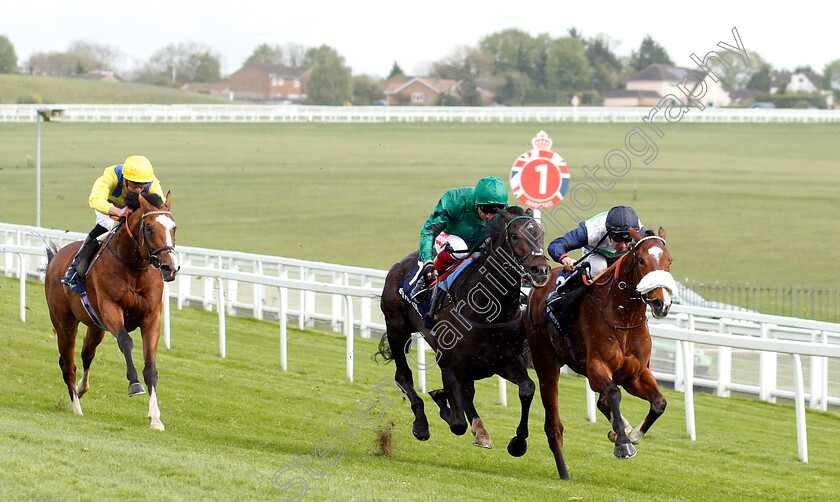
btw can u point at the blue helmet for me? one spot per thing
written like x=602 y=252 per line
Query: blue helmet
x=621 y=219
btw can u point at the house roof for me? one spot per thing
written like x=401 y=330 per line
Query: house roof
x=780 y=78
x=206 y=87
x=437 y=85
x=660 y=72
x=395 y=82
x=282 y=71
x=625 y=93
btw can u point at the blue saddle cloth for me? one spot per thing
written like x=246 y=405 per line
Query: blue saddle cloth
x=558 y=318
x=80 y=283
x=422 y=302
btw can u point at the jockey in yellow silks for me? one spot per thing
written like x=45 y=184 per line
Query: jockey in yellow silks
x=107 y=198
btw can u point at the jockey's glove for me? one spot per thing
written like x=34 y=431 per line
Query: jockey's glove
x=429 y=270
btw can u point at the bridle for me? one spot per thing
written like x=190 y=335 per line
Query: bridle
x=521 y=266
x=153 y=258
x=622 y=284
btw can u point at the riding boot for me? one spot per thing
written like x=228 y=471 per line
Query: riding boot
x=78 y=268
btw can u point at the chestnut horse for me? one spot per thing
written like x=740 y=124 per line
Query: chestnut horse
x=609 y=341
x=478 y=332
x=125 y=293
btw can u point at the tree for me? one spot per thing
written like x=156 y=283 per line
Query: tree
x=204 y=67
x=266 y=54
x=737 y=74
x=177 y=64
x=62 y=64
x=330 y=82
x=104 y=57
x=761 y=80
x=395 y=70
x=366 y=90
x=510 y=51
x=567 y=68
x=8 y=57
x=510 y=87
x=831 y=76
x=649 y=53
x=606 y=66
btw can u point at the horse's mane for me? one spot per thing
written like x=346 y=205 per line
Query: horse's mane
x=496 y=226
x=132 y=200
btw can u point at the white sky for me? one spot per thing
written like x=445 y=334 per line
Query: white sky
x=372 y=34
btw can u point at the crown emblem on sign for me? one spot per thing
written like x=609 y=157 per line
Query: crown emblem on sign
x=541 y=141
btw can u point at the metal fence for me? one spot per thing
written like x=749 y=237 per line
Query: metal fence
x=792 y=300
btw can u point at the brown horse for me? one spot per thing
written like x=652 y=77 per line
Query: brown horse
x=609 y=342
x=125 y=293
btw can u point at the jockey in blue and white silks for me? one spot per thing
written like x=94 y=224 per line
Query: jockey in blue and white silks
x=606 y=235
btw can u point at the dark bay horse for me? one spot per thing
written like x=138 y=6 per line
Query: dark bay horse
x=477 y=333
x=609 y=342
x=124 y=291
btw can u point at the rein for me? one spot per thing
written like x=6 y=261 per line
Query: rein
x=153 y=259
x=612 y=274
x=506 y=264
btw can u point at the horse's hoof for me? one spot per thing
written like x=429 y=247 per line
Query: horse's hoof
x=483 y=442
x=517 y=447
x=626 y=450
x=420 y=432
x=135 y=389
x=157 y=426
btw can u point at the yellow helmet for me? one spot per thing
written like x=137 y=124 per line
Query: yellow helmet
x=138 y=169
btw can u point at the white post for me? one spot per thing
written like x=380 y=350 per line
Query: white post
x=166 y=326
x=688 y=375
x=222 y=341
x=348 y=333
x=819 y=380
x=591 y=409
x=421 y=363
x=502 y=391
x=22 y=275
x=281 y=317
x=183 y=282
x=38 y=168
x=364 y=326
x=335 y=315
x=766 y=370
x=233 y=290
x=258 y=292
x=801 y=429
x=207 y=300
x=302 y=311
x=724 y=365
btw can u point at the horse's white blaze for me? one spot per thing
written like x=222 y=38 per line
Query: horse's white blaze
x=154 y=411
x=169 y=224
x=666 y=297
x=655 y=251
x=657 y=279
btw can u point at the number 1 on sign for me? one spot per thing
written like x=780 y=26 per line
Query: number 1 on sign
x=543 y=170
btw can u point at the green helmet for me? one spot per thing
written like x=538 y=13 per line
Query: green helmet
x=491 y=190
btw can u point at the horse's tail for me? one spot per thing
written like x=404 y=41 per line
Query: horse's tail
x=384 y=350
x=52 y=249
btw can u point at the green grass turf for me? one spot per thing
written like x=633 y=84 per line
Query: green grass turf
x=59 y=90
x=739 y=202
x=232 y=423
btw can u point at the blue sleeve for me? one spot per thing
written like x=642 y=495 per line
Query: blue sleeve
x=575 y=239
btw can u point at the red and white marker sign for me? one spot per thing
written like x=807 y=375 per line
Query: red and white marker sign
x=540 y=178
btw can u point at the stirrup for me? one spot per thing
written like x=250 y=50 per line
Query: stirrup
x=418 y=289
